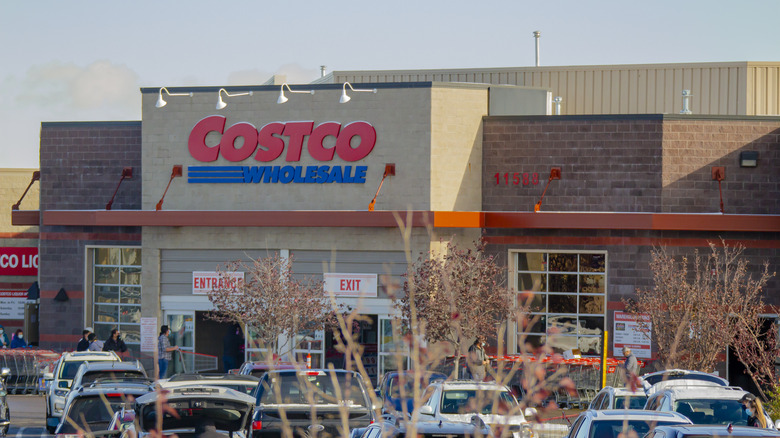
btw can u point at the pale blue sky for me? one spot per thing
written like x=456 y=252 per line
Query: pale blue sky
x=86 y=60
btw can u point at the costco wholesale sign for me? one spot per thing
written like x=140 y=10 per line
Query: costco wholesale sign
x=204 y=282
x=19 y=261
x=351 y=142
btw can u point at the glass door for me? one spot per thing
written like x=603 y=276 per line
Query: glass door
x=182 y=325
x=393 y=353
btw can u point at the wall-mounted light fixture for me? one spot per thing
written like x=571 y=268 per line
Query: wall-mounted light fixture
x=221 y=103
x=282 y=98
x=175 y=173
x=127 y=172
x=389 y=171
x=36 y=176
x=748 y=159
x=719 y=174
x=555 y=173
x=161 y=102
x=344 y=98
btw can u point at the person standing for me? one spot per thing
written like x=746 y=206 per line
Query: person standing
x=83 y=344
x=4 y=342
x=164 y=350
x=477 y=360
x=232 y=344
x=755 y=411
x=18 y=340
x=94 y=344
x=115 y=342
x=631 y=365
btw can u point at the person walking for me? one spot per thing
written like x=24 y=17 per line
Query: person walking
x=477 y=360
x=164 y=350
x=18 y=340
x=630 y=365
x=94 y=344
x=755 y=411
x=115 y=342
x=83 y=344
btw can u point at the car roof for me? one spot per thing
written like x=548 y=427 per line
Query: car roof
x=200 y=391
x=636 y=414
x=135 y=390
x=620 y=391
x=717 y=430
x=90 y=355
x=679 y=374
x=205 y=378
x=112 y=365
x=705 y=392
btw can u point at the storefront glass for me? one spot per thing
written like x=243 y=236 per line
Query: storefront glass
x=116 y=294
x=567 y=304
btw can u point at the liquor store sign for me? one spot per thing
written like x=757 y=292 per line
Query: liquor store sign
x=19 y=261
x=245 y=144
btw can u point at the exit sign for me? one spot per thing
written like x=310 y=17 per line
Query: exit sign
x=351 y=285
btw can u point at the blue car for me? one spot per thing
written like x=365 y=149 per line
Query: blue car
x=397 y=388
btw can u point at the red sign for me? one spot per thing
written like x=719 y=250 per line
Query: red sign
x=267 y=143
x=19 y=261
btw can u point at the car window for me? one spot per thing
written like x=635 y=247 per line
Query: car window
x=630 y=402
x=596 y=403
x=708 y=411
x=652 y=404
x=471 y=401
x=294 y=388
x=682 y=376
x=575 y=428
x=70 y=368
x=88 y=413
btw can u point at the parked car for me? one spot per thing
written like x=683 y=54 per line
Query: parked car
x=198 y=409
x=89 y=372
x=91 y=409
x=241 y=383
x=5 y=412
x=61 y=379
x=459 y=400
x=703 y=404
x=611 y=397
x=396 y=389
x=391 y=427
x=333 y=393
x=614 y=422
x=704 y=431
x=258 y=369
x=661 y=379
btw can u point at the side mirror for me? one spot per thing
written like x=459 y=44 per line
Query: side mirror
x=5 y=372
x=62 y=384
x=426 y=410
x=530 y=412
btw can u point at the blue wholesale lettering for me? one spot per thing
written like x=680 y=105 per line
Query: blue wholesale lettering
x=278 y=174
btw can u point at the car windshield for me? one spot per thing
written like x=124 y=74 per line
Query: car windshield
x=630 y=401
x=710 y=411
x=91 y=376
x=311 y=388
x=471 y=401
x=69 y=369
x=93 y=412
x=628 y=428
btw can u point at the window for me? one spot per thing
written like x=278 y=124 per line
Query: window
x=568 y=300
x=116 y=294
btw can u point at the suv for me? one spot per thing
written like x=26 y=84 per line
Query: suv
x=114 y=371
x=240 y=383
x=662 y=379
x=299 y=395
x=460 y=400
x=62 y=378
x=611 y=397
x=702 y=404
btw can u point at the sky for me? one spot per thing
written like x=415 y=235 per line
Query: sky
x=85 y=60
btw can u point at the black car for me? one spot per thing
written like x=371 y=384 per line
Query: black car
x=311 y=401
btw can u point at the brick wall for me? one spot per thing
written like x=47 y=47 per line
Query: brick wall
x=81 y=164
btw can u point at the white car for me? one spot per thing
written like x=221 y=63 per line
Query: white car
x=611 y=397
x=62 y=379
x=663 y=379
x=621 y=422
x=460 y=400
x=703 y=404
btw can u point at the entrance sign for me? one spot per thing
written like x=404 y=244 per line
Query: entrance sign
x=204 y=282
x=351 y=285
x=19 y=261
x=149 y=334
x=12 y=304
x=628 y=333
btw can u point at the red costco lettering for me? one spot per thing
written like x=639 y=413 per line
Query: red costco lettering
x=354 y=141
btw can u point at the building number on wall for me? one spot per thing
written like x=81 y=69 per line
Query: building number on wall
x=516 y=178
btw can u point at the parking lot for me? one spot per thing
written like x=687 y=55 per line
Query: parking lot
x=27 y=412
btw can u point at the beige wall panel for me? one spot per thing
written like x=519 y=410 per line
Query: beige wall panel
x=456 y=148
x=738 y=83
x=403 y=137
x=706 y=92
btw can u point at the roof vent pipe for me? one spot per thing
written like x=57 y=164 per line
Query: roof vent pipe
x=537 y=34
x=557 y=101
x=322 y=71
x=686 y=95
